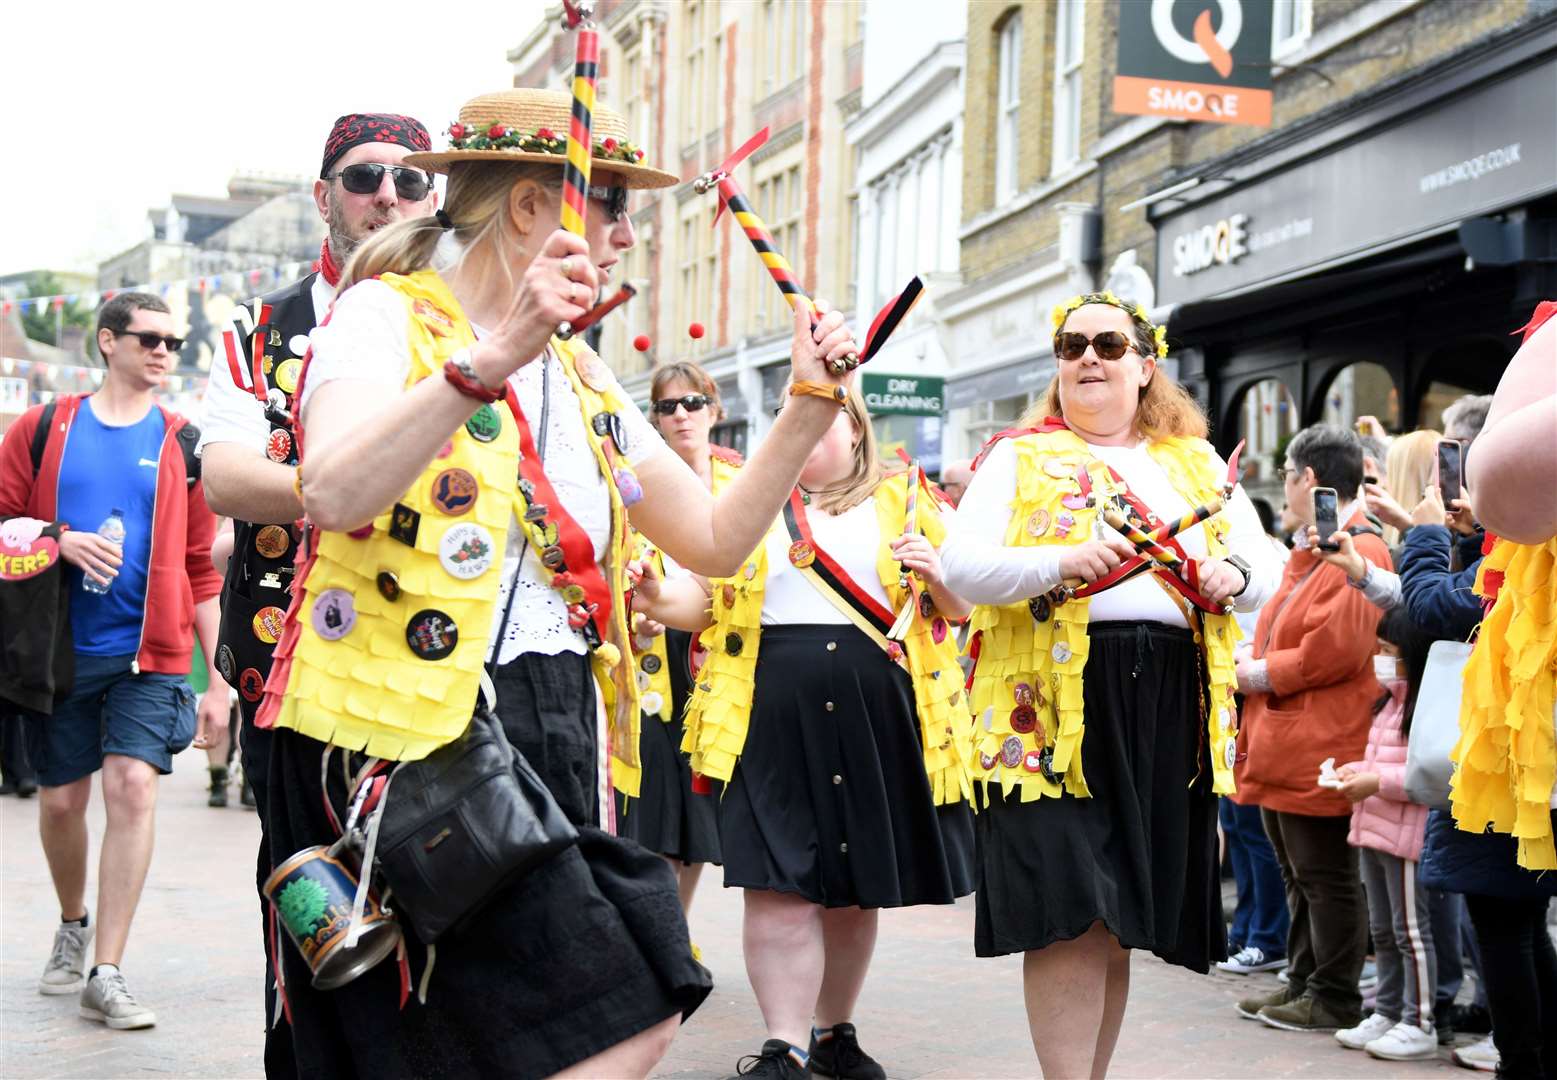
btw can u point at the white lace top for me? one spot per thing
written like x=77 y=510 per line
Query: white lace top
x=365 y=339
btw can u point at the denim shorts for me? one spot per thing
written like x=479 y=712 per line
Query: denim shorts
x=112 y=710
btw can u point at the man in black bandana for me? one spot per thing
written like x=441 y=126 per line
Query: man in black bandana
x=246 y=443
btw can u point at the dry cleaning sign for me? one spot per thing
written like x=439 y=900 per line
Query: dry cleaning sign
x=1195 y=60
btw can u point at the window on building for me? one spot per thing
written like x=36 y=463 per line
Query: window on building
x=1362 y=389
x=1008 y=101
x=692 y=73
x=988 y=417
x=708 y=301
x=631 y=96
x=779 y=204
x=713 y=63
x=853 y=21
x=1291 y=21
x=1068 y=27
x=1267 y=420
x=690 y=265
x=783 y=24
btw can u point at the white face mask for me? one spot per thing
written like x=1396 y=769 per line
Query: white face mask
x=1386 y=668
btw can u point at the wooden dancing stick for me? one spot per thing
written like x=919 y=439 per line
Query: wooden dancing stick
x=1169 y=529
x=1143 y=543
x=578 y=14
x=905 y=617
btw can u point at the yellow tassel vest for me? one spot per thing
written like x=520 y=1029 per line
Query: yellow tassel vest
x=654 y=662
x=389 y=629
x=719 y=710
x=1030 y=664
x=1507 y=752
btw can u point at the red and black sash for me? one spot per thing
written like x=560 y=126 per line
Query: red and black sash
x=831 y=579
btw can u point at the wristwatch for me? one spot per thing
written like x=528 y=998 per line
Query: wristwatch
x=1240 y=564
x=461 y=374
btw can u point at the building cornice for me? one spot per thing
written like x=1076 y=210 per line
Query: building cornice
x=941 y=66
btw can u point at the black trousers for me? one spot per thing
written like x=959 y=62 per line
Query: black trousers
x=1520 y=967
x=1328 y=939
x=16 y=765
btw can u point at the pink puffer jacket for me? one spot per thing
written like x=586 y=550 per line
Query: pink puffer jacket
x=1387 y=821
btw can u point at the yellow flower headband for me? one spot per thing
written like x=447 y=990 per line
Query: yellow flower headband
x=1062 y=312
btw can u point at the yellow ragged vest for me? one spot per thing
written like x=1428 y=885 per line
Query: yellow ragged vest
x=393 y=627
x=1041 y=663
x=719 y=711
x=1507 y=753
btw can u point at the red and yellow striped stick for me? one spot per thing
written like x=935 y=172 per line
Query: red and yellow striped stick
x=1200 y=513
x=1143 y=543
x=575 y=173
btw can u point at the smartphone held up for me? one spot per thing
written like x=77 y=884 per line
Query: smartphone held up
x=1451 y=467
x=1326 y=517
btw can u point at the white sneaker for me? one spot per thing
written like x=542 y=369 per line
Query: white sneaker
x=1481 y=1054
x=65 y=973
x=1248 y=960
x=107 y=998
x=1355 y=1038
x=1404 y=1042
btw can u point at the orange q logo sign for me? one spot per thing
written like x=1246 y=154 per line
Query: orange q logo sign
x=1214 y=68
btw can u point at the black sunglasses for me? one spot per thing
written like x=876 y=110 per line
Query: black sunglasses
x=365 y=177
x=1109 y=345
x=615 y=199
x=691 y=403
x=150 y=341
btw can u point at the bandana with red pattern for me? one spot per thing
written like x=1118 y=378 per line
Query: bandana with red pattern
x=354 y=129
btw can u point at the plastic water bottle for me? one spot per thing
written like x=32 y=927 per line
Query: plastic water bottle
x=112 y=530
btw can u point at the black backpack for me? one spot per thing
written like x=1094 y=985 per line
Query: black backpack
x=188 y=438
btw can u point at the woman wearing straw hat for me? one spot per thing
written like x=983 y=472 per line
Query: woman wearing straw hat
x=436 y=372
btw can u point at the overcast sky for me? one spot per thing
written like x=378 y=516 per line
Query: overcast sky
x=109 y=109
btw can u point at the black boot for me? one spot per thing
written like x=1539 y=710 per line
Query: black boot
x=218 y=786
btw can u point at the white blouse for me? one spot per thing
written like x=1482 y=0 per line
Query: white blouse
x=366 y=340
x=851 y=538
x=980 y=568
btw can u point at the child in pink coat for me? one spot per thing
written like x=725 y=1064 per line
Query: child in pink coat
x=1387 y=830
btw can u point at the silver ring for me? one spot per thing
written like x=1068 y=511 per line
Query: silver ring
x=566 y=266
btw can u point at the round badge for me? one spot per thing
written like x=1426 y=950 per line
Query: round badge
x=1038 y=523
x=801 y=554
x=1041 y=608
x=643 y=680
x=334 y=614
x=1023 y=693
x=465 y=550
x=1074 y=501
x=652 y=702
x=453 y=491
x=268 y=624
x=1032 y=761
x=1230 y=752
x=727 y=591
x=251 y=684
x=286 y=374
x=536 y=512
x=733 y=644
x=1058 y=469
x=986 y=761
x=1060 y=652
x=272 y=541
x=431 y=634
x=750 y=571
x=484 y=424
x=627 y=484
x=926 y=604
x=1011 y=751
x=651 y=664
x=1046 y=765
x=1225 y=715
x=593 y=371
x=389 y=586
x=1024 y=718
x=226 y=663
x=938 y=630
x=298 y=344
x=553 y=557
x=572 y=594
x=279 y=446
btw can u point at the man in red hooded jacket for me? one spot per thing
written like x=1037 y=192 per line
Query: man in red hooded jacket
x=133 y=607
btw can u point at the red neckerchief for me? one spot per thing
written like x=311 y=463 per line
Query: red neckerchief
x=578 y=551
x=830 y=570
x=327 y=266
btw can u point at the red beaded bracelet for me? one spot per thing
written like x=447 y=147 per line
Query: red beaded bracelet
x=463 y=379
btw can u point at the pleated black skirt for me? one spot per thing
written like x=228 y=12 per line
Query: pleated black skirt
x=581 y=953
x=830 y=799
x=668 y=817
x=1140 y=855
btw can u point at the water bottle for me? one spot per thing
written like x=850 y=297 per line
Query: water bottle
x=112 y=530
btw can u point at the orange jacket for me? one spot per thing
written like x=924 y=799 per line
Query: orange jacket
x=1317 y=636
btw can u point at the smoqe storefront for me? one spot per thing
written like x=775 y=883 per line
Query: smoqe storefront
x=1371 y=260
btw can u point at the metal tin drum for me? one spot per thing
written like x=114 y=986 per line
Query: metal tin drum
x=313 y=892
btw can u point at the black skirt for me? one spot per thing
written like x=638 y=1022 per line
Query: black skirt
x=830 y=799
x=587 y=950
x=668 y=817
x=1140 y=855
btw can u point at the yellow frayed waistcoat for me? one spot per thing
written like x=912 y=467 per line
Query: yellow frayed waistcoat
x=1507 y=752
x=719 y=710
x=367 y=689
x=1015 y=650
x=657 y=681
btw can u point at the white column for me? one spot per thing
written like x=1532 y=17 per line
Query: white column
x=930 y=209
x=951 y=197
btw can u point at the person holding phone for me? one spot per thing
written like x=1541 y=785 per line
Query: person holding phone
x=1309 y=687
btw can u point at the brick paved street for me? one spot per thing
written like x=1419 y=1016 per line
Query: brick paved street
x=930 y=1009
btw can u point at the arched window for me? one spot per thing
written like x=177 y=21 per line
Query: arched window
x=1361 y=389
x=1008 y=103
x=1267 y=419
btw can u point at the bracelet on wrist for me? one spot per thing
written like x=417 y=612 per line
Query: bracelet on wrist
x=461 y=374
x=835 y=392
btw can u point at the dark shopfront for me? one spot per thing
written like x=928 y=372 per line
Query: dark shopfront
x=1373 y=259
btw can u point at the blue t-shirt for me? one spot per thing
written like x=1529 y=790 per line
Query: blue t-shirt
x=104 y=468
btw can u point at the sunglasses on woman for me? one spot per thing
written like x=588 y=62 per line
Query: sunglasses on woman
x=691 y=403
x=150 y=341
x=1109 y=345
x=364 y=178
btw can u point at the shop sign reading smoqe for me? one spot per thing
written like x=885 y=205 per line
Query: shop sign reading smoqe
x=1195 y=60
x=903 y=395
x=1218 y=244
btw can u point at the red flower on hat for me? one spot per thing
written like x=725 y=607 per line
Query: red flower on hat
x=637 y=155
x=456 y=131
x=609 y=146
x=545 y=133
x=496 y=131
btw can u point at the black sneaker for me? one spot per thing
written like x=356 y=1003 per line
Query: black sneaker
x=777 y=1061
x=841 y=1056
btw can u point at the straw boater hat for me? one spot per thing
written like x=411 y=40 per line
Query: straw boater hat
x=532 y=125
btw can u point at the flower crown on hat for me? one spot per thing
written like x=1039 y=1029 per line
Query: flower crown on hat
x=1159 y=334
x=541 y=141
